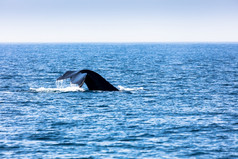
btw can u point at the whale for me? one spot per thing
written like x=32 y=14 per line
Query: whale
x=93 y=80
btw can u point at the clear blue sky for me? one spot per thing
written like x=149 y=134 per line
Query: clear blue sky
x=118 y=20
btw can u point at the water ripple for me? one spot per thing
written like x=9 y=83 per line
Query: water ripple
x=175 y=101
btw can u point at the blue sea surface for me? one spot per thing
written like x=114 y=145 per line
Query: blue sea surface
x=176 y=100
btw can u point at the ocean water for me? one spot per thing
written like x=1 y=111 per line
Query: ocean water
x=176 y=100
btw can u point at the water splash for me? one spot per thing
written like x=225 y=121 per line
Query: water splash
x=66 y=86
x=121 y=88
x=61 y=86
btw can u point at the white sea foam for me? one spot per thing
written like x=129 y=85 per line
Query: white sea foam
x=121 y=88
x=65 y=86
x=67 y=89
x=61 y=86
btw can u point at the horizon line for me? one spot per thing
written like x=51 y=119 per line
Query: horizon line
x=115 y=42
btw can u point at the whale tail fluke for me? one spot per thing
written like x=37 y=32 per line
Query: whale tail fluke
x=75 y=77
x=93 y=80
x=66 y=75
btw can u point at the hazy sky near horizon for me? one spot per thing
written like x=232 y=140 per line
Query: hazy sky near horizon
x=119 y=20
